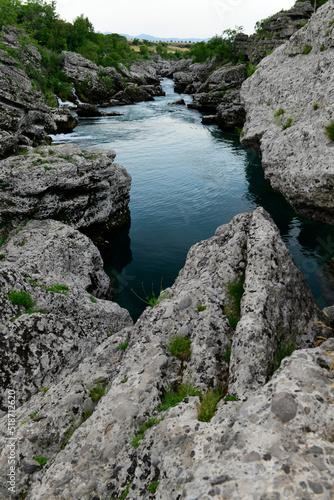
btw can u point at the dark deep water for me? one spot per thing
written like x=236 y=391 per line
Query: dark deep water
x=188 y=179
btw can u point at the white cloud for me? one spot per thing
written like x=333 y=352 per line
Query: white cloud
x=174 y=18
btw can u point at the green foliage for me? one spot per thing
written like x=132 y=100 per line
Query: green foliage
x=141 y=431
x=322 y=48
x=287 y=123
x=22 y=299
x=231 y=397
x=97 y=392
x=200 y=307
x=152 y=487
x=222 y=47
x=125 y=492
x=153 y=300
x=227 y=357
x=251 y=68
x=279 y=112
x=315 y=106
x=232 y=308
x=57 y=288
x=208 y=405
x=307 y=49
x=172 y=398
x=93 y=299
x=44 y=390
x=122 y=347
x=41 y=460
x=330 y=130
x=2 y=256
x=179 y=347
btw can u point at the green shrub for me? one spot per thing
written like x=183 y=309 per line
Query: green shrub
x=322 y=48
x=123 y=347
x=279 y=112
x=93 y=299
x=330 y=130
x=172 y=398
x=209 y=401
x=307 y=49
x=41 y=460
x=179 y=347
x=200 y=307
x=125 y=492
x=315 y=106
x=2 y=256
x=287 y=123
x=97 y=392
x=22 y=299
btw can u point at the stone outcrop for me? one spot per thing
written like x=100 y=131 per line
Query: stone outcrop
x=287 y=112
x=273 y=32
x=64 y=119
x=279 y=431
x=91 y=111
x=99 y=85
x=85 y=189
x=56 y=315
x=25 y=119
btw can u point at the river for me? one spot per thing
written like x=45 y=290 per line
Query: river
x=188 y=179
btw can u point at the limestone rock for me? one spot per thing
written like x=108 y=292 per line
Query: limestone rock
x=89 y=110
x=24 y=116
x=83 y=188
x=275 y=31
x=287 y=111
x=276 y=306
x=64 y=119
x=59 y=271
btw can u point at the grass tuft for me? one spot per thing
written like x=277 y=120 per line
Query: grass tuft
x=207 y=407
x=172 y=398
x=152 y=487
x=330 y=130
x=22 y=299
x=141 y=431
x=97 y=392
x=41 y=460
x=179 y=347
x=232 y=308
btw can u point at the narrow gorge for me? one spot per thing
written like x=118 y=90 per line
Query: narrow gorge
x=223 y=386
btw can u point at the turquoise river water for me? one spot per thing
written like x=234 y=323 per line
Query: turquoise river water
x=188 y=179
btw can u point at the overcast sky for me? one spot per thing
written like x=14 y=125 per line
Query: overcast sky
x=171 y=18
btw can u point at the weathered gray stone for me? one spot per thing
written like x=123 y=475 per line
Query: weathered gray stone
x=185 y=456
x=84 y=188
x=61 y=271
x=64 y=119
x=284 y=407
x=287 y=111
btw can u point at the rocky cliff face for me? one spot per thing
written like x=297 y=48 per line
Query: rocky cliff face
x=279 y=432
x=287 y=114
x=273 y=32
x=83 y=188
x=25 y=119
x=52 y=280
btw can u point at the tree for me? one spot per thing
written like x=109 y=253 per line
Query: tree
x=81 y=30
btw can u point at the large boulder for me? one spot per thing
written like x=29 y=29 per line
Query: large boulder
x=51 y=317
x=287 y=114
x=64 y=119
x=277 y=309
x=83 y=188
x=25 y=119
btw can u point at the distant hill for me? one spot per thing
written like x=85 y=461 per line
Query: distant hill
x=151 y=38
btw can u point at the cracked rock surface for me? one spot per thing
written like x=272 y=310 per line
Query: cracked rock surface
x=279 y=432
